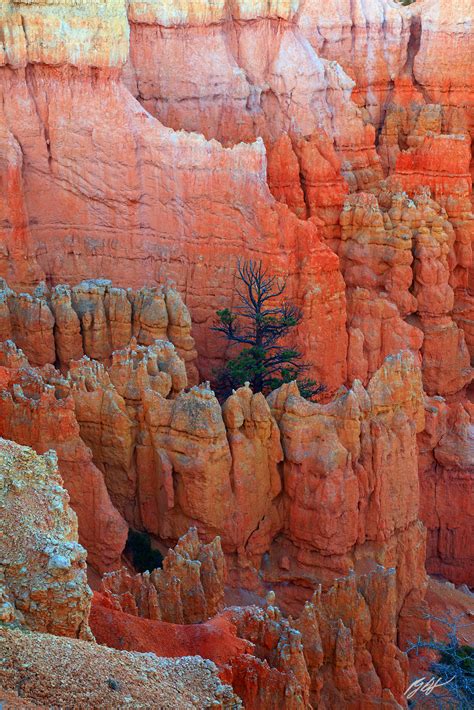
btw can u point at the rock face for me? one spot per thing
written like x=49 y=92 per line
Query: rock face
x=349 y=452
x=173 y=463
x=446 y=25
x=225 y=210
x=37 y=410
x=188 y=590
x=333 y=514
x=398 y=257
x=277 y=676
x=370 y=40
x=359 y=453
x=145 y=143
x=446 y=471
x=95 y=319
x=43 y=583
x=270 y=80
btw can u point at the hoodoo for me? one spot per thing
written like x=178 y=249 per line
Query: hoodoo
x=276 y=196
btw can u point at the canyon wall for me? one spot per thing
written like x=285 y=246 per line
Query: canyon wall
x=144 y=149
x=301 y=495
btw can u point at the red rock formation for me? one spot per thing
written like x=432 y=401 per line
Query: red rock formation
x=349 y=644
x=340 y=650
x=215 y=639
x=446 y=470
x=97 y=186
x=402 y=255
x=305 y=174
x=205 y=237
x=189 y=589
x=43 y=583
x=38 y=411
x=95 y=319
x=428 y=144
x=357 y=445
x=278 y=677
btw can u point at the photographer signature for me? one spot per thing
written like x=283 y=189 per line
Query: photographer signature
x=425 y=686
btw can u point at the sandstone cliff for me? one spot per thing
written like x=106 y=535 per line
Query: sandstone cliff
x=157 y=142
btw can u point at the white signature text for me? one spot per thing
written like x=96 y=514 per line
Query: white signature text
x=425 y=686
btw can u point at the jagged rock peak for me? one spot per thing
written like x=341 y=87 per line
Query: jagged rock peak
x=189 y=589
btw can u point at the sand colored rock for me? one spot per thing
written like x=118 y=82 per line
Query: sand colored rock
x=349 y=646
x=359 y=453
x=446 y=32
x=59 y=669
x=38 y=34
x=28 y=321
x=376 y=330
x=347 y=439
x=173 y=463
x=428 y=144
x=267 y=78
x=370 y=40
x=43 y=583
x=376 y=252
x=199 y=480
x=189 y=589
x=37 y=410
x=95 y=319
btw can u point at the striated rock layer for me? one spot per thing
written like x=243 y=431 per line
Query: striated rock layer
x=354 y=181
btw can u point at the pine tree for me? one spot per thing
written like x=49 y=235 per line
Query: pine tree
x=259 y=325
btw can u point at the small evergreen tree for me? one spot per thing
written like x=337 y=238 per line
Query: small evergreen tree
x=259 y=325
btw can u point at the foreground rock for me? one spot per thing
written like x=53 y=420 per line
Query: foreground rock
x=51 y=671
x=43 y=583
